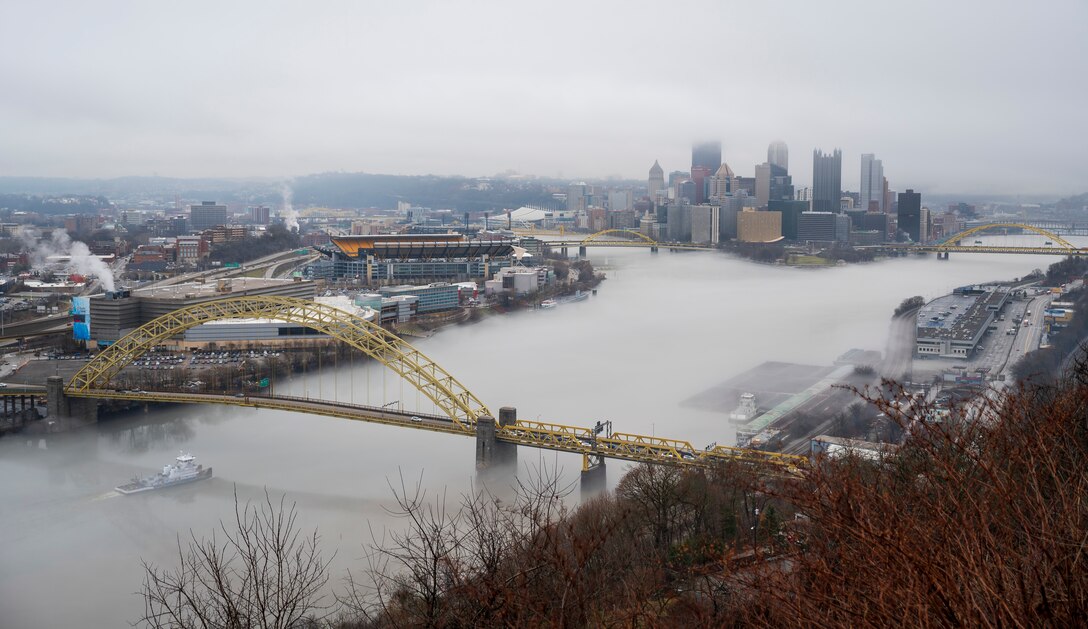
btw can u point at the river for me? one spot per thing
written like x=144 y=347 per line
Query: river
x=661 y=329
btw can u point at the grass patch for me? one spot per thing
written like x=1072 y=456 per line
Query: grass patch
x=801 y=260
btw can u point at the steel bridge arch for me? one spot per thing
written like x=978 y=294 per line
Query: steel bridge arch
x=408 y=362
x=592 y=237
x=1056 y=239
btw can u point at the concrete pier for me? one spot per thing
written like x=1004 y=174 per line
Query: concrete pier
x=582 y=252
x=594 y=479
x=494 y=457
x=506 y=454
x=70 y=411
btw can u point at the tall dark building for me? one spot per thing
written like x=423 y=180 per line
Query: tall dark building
x=791 y=215
x=910 y=214
x=708 y=155
x=781 y=184
x=826 y=181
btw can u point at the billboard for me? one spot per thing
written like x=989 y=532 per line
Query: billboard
x=81 y=318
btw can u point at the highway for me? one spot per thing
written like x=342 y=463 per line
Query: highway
x=272 y=261
x=41 y=325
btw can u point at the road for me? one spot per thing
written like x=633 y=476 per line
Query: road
x=41 y=325
x=272 y=261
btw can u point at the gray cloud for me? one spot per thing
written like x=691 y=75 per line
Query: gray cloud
x=966 y=96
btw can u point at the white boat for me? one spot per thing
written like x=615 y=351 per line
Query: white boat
x=578 y=296
x=183 y=470
x=747 y=409
x=548 y=303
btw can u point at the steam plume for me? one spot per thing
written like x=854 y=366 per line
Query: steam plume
x=288 y=213
x=59 y=244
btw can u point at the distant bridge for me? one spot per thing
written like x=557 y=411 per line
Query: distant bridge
x=462 y=413
x=1054 y=245
x=623 y=238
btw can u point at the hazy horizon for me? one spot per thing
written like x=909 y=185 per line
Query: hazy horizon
x=972 y=98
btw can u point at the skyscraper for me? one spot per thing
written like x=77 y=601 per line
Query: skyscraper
x=707 y=154
x=723 y=183
x=910 y=214
x=778 y=154
x=657 y=180
x=826 y=181
x=700 y=176
x=576 y=197
x=763 y=184
x=872 y=183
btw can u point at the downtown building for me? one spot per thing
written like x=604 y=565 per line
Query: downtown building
x=909 y=215
x=871 y=197
x=823 y=227
x=826 y=181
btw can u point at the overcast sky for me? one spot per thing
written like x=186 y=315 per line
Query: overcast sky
x=952 y=96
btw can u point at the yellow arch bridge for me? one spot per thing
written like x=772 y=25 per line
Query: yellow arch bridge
x=460 y=412
x=1054 y=244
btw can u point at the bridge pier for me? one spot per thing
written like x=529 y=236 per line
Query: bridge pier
x=70 y=411
x=653 y=249
x=563 y=251
x=495 y=459
x=942 y=255
x=582 y=251
x=594 y=480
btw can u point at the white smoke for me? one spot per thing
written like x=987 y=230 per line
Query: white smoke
x=288 y=213
x=59 y=244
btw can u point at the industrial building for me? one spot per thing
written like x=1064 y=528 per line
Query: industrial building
x=115 y=314
x=419 y=257
x=951 y=326
x=267 y=331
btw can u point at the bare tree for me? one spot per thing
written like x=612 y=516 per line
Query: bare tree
x=263 y=573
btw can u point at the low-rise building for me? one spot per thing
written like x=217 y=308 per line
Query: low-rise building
x=838 y=447
x=432 y=297
x=518 y=280
x=952 y=326
x=114 y=314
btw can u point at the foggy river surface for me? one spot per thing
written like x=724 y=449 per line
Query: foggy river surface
x=661 y=329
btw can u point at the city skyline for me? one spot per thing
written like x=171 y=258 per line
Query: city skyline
x=284 y=91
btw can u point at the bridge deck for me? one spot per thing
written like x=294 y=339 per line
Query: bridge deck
x=548 y=436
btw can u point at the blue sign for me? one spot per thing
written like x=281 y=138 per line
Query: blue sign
x=81 y=318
